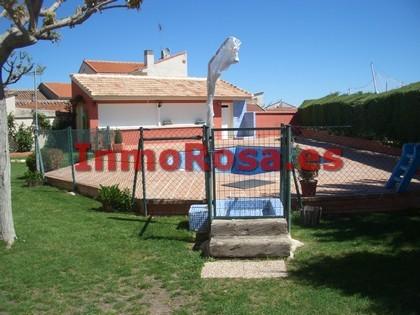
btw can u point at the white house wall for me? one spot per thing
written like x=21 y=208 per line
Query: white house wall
x=183 y=114
x=10 y=105
x=125 y=116
x=175 y=66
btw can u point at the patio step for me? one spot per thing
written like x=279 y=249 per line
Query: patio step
x=249 y=238
x=250 y=246
x=249 y=227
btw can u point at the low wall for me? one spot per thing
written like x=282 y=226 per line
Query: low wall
x=272 y=119
x=154 y=207
x=131 y=137
x=354 y=204
x=19 y=155
x=352 y=142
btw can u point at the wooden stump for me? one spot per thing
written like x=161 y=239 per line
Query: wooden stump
x=311 y=215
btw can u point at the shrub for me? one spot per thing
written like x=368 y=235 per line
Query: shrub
x=31 y=162
x=43 y=122
x=24 y=139
x=390 y=117
x=11 y=125
x=113 y=198
x=52 y=158
x=33 y=178
x=118 y=137
x=61 y=123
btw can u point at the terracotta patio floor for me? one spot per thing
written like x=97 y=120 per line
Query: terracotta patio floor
x=363 y=172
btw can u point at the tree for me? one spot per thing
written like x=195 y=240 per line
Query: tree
x=32 y=21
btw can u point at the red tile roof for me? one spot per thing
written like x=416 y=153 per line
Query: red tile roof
x=252 y=107
x=100 y=66
x=57 y=105
x=281 y=106
x=282 y=109
x=25 y=95
x=57 y=89
x=113 y=86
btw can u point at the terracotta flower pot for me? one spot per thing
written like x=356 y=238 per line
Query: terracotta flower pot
x=308 y=187
x=117 y=147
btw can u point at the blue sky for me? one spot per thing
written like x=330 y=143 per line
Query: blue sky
x=291 y=49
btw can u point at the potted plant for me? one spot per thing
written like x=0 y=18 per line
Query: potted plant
x=118 y=144
x=307 y=164
x=308 y=182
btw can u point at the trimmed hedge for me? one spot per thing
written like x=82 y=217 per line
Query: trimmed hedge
x=392 y=117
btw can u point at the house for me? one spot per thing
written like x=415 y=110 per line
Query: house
x=55 y=90
x=126 y=101
x=276 y=114
x=160 y=94
x=22 y=104
x=153 y=94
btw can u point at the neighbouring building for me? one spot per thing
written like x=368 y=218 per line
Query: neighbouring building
x=275 y=114
x=56 y=90
x=22 y=104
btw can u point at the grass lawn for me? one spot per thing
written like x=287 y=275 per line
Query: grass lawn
x=72 y=259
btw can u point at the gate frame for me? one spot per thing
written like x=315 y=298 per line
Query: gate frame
x=285 y=178
x=140 y=159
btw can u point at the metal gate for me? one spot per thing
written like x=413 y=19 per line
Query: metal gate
x=249 y=175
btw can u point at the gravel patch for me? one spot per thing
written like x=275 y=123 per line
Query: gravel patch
x=244 y=269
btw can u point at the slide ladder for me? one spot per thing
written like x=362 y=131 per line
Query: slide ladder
x=406 y=167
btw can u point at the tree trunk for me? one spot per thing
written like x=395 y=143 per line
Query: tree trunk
x=7 y=228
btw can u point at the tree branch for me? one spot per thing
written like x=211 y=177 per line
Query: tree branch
x=81 y=15
x=34 y=8
x=25 y=16
x=15 y=14
x=52 y=8
x=18 y=65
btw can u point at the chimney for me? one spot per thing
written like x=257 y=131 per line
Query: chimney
x=165 y=53
x=149 y=58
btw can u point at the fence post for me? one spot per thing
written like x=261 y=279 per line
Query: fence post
x=97 y=138
x=143 y=174
x=212 y=179
x=136 y=171
x=282 y=166
x=38 y=169
x=140 y=159
x=207 y=173
x=108 y=138
x=287 y=179
x=71 y=158
x=38 y=155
